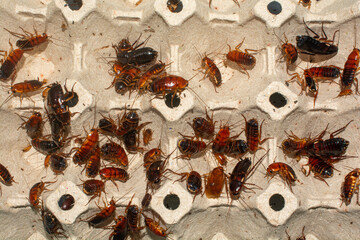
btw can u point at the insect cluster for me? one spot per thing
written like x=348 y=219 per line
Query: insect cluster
x=106 y=151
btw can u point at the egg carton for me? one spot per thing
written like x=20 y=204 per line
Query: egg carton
x=82 y=33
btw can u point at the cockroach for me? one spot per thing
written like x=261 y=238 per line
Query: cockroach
x=335 y=146
x=193 y=181
x=104 y=216
x=45 y=146
x=140 y=56
x=350 y=186
x=348 y=77
x=168 y=84
x=202 y=127
x=57 y=163
x=320 y=167
x=306 y=3
x=313 y=75
x=33 y=125
x=147 y=136
x=146 y=200
x=93 y=164
x=235 y=1
x=58 y=129
x=236 y=147
x=240 y=174
x=129 y=121
x=23 y=88
x=242 y=58
x=125 y=46
x=8 y=63
x=155 y=171
x=28 y=40
x=190 y=148
x=253 y=134
x=219 y=144
x=35 y=192
x=127 y=79
x=155 y=227
x=211 y=71
x=51 y=224
x=115 y=153
x=88 y=146
x=173 y=5
x=70 y=97
x=145 y=78
x=131 y=141
x=214 y=182
x=151 y=156
x=133 y=217
x=93 y=187
x=114 y=174
x=288 y=51
x=316 y=45
x=66 y=202
x=5 y=176
x=56 y=103
x=283 y=170
x=120 y=229
x=107 y=125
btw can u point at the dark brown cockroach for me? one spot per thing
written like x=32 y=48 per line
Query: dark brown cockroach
x=288 y=51
x=28 y=40
x=88 y=146
x=155 y=227
x=146 y=200
x=35 y=193
x=283 y=170
x=253 y=134
x=129 y=121
x=190 y=148
x=155 y=171
x=104 y=217
x=24 y=88
x=203 y=128
x=131 y=141
x=8 y=63
x=5 y=176
x=320 y=167
x=107 y=125
x=310 y=84
x=236 y=147
x=215 y=182
x=56 y=103
x=120 y=229
x=335 y=146
x=306 y=3
x=147 y=76
x=114 y=174
x=93 y=187
x=51 y=224
x=45 y=146
x=70 y=97
x=193 y=181
x=115 y=153
x=151 y=156
x=93 y=164
x=350 y=186
x=316 y=45
x=348 y=76
x=33 y=125
x=66 y=202
x=57 y=163
x=242 y=58
x=240 y=174
x=133 y=218
x=125 y=46
x=58 y=128
x=137 y=57
x=147 y=136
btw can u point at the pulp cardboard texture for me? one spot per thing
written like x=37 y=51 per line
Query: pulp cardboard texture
x=80 y=52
